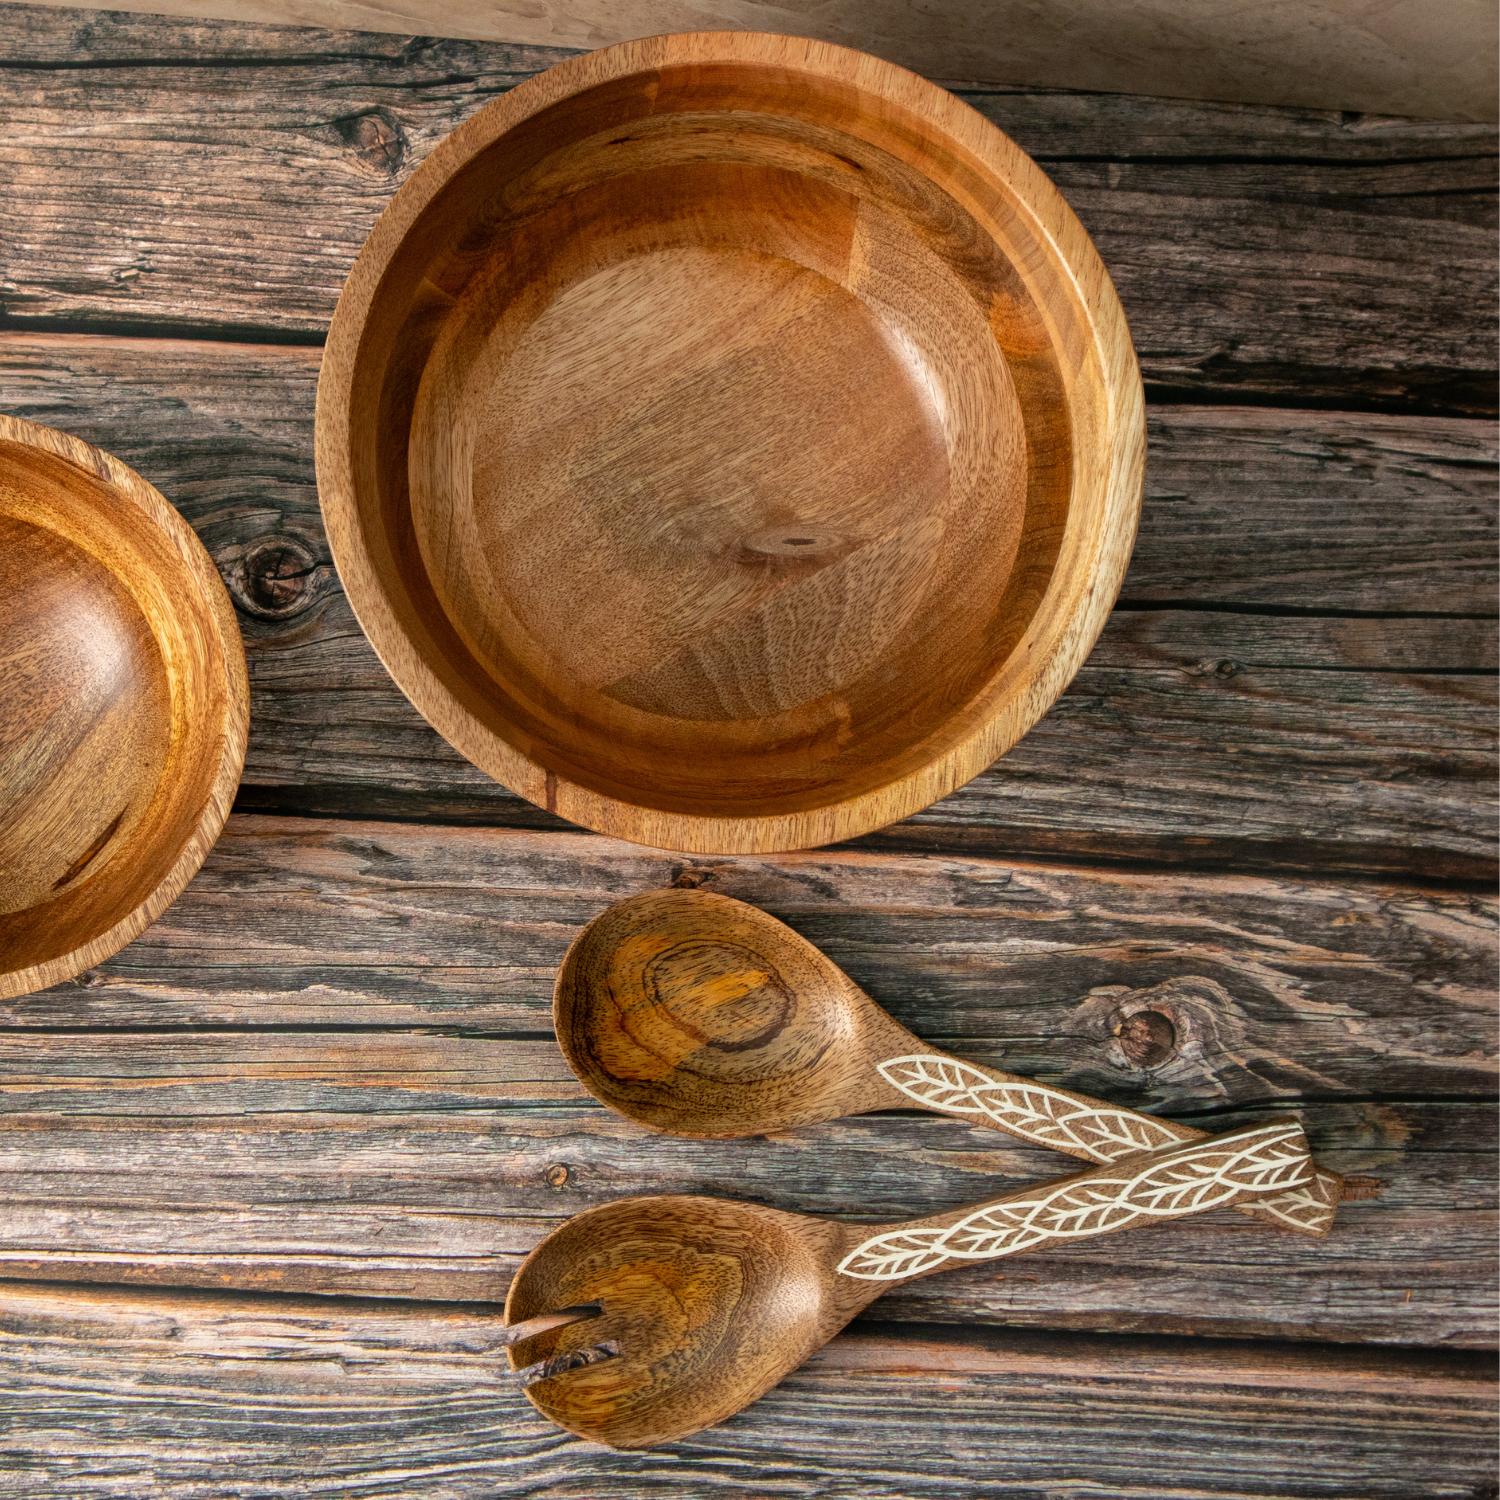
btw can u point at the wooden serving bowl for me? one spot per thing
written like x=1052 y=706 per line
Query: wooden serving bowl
x=123 y=705
x=730 y=442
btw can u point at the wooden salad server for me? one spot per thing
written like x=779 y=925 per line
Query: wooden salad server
x=697 y=1015
x=704 y=1304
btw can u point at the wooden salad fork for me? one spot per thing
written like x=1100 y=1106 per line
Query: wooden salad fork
x=704 y=1304
x=697 y=1015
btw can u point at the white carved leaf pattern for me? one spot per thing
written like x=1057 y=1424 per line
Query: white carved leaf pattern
x=1048 y=1117
x=1030 y=1110
x=1309 y=1209
x=1191 y=1181
x=894 y=1256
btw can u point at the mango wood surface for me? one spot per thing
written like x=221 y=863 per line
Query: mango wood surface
x=123 y=705
x=329 y=1067
x=730 y=442
x=696 y=1307
x=402 y=1399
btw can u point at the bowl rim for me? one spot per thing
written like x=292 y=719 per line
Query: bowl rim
x=133 y=490
x=1092 y=582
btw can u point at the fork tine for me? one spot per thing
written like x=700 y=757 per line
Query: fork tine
x=560 y=1364
x=543 y=1322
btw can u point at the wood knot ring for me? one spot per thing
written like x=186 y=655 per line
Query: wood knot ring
x=276 y=577
x=798 y=541
x=1148 y=1038
x=374 y=139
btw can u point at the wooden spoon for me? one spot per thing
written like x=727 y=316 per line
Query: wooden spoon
x=706 y=1303
x=697 y=1015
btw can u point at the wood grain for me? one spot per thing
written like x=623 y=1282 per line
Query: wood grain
x=123 y=705
x=357 y=1091
x=1312 y=511
x=704 y=1304
x=368 y=1099
x=1243 y=508
x=1284 y=988
x=697 y=1015
x=1332 y=53
x=1091 y=120
x=278 y=1392
x=652 y=616
x=443 y=1199
x=1332 y=299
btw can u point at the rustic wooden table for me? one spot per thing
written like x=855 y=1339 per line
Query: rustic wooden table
x=266 y=1173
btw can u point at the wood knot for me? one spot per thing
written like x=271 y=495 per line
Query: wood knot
x=375 y=140
x=1221 y=667
x=687 y=881
x=799 y=542
x=557 y=1176
x=1147 y=1038
x=276 y=578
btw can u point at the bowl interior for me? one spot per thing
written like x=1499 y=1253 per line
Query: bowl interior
x=112 y=708
x=710 y=450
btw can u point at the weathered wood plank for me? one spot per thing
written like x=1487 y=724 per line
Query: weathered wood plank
x=231 y=192
x=1225 y=726
x=1267 y=766
x=1459 y=188
x=115 y=1392
x=1323 y=511
x=1104 y=127
x=1282 y=989
x=1317 y=511
x=1340 y=761
x=351 y=1087
x=1224 y=643
x=438 y=1194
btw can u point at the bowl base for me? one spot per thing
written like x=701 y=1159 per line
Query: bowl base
x=731 y=479
x=87 y=715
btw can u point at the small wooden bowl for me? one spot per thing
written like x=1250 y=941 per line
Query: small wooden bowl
x=123 y=705
x=730 y=442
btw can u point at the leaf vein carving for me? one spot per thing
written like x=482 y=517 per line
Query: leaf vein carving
x=1030 y=1110
x=1049 y=1117
x=1190 y=1181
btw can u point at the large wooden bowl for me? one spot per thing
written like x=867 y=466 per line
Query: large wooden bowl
x=123 y=705
x=730 y=442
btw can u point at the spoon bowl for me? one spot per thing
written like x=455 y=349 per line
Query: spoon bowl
x=705 y=1304
x=709 y=1302
x=697 y=1015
